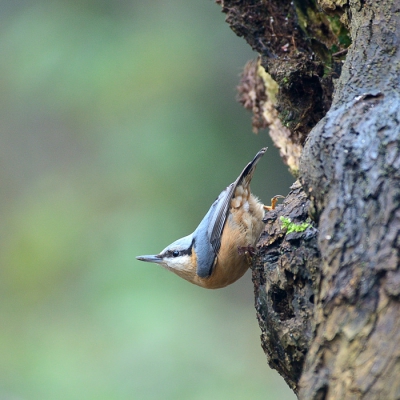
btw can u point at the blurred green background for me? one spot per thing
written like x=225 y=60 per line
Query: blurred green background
x=119 y=127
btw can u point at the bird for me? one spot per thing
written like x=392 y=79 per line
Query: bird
x=219 y=250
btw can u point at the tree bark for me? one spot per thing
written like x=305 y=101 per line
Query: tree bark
x=327 y=297
x=285 y=273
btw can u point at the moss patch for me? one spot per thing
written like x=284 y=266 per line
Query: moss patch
x=293 y=227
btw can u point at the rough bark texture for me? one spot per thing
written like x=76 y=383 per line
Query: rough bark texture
x=296 y=42
x=285 y=273
x=346 y=343
x=351 y=166
x=258 y=92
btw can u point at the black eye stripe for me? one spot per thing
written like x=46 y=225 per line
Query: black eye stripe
x=177 y=253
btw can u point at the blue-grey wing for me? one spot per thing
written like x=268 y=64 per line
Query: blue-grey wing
x=218 y=218
x=206 y=250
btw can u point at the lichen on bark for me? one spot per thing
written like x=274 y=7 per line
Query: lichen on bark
x=257 y=92
x=296 y=43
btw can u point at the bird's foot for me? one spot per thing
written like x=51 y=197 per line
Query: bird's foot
x=274 y=200
x=249 y=250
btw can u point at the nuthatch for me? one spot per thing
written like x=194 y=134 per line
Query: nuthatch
x=212 y=256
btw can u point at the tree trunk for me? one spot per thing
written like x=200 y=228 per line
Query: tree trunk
x=327 y=289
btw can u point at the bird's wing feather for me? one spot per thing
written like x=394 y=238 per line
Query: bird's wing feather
x=206 y=251
x=218 y=218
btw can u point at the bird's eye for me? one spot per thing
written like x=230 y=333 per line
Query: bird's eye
x=175 y=253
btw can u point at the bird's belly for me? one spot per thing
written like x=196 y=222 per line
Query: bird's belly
x=232 y=260
x=229 y=271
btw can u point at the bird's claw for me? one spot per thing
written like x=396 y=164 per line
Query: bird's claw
x=274 y=200
x=250 y=250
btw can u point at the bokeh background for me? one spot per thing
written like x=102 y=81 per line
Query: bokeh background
x=118 y=128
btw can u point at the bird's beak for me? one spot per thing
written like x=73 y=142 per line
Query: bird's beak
x=154 y=259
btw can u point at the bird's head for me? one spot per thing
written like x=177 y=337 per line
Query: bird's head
x=178 y=257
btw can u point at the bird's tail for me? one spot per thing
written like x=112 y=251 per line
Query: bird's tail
x=247 y=174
